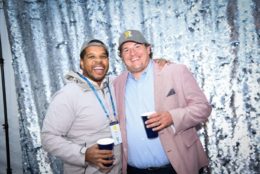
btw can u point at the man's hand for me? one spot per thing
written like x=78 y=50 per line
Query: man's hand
x=161 y=62
x=99 y=157
x=159 y=121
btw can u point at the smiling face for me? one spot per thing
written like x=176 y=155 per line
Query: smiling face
x=136 y=57
x=95 y=63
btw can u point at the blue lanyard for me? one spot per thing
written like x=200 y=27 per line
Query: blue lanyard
x=95 y=92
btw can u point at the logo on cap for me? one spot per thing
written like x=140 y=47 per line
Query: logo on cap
x=128 y=34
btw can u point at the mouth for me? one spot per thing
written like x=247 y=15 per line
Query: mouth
x=134 y=59
x=99 y=69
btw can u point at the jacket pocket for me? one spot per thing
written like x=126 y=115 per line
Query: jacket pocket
x=170 y=102
x=189 y=137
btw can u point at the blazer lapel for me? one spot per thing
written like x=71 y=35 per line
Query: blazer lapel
x=157 y=87
x=122 y=95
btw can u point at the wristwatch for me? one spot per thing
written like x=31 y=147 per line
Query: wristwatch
x=83 y=150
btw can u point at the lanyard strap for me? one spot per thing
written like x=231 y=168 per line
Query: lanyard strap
x=97 y=96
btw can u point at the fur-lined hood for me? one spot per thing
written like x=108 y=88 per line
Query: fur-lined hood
x=73 y=77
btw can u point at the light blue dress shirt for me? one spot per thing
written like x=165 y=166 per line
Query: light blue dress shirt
x=142 y=152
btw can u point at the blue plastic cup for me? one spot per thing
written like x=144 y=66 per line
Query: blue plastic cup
x=106 y=144
x=149 y=132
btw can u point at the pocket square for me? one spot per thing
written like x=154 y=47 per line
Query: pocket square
x=171 y=92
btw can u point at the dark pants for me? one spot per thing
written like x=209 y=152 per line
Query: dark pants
x=167 y=169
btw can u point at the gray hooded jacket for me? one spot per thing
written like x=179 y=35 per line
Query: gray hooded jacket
x=75 y=119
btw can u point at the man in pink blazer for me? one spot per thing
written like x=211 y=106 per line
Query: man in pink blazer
x=179 y=106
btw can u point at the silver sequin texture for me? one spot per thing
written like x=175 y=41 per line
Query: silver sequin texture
x=218 y=40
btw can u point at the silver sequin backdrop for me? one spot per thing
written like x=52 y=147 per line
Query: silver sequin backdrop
x=219 y=40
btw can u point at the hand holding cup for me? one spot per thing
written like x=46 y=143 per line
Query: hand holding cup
x=106 y=144
x=100 y=157
x=159 y=121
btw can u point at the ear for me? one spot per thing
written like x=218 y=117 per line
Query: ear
x=81 y=63
x=148 y=48
x=119 y=54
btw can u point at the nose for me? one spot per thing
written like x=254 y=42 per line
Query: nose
x=98 y=59
x=132 y=51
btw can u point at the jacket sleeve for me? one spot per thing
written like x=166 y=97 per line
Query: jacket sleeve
x=195 y=109
x=58 y=120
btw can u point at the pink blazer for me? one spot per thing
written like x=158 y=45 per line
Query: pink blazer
x=176 y=91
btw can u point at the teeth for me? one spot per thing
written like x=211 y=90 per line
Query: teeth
x=134 y=59
x=98 y=68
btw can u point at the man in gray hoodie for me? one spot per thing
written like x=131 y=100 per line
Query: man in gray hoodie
x=81 y=113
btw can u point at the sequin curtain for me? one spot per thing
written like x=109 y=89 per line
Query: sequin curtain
x=218 y=40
